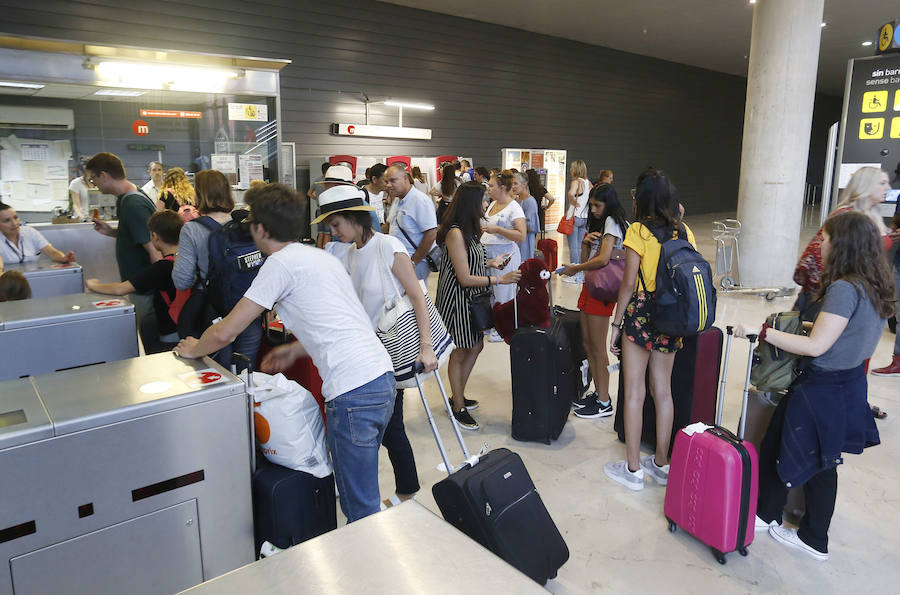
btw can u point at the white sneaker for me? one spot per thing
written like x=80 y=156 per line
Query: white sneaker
x=267 y=550
x=790 y=538
x=659 y=474
x=494 y=336
x=761 y=525
x=619 y=472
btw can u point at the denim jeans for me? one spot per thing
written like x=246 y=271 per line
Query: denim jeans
x=356 y=421
x=575 y=239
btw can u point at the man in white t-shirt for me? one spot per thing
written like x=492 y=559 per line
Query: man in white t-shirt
x=318 y=304
x=413 y=220
x=156 y=171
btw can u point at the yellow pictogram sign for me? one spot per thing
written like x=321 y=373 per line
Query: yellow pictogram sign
x=895 y=127
x=897 y=100
x=250 y=111
x=871 y=128
x=885 y=37
x=874 y=101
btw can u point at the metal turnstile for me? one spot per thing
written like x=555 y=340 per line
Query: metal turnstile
x=54 y=333
x=126 y=477
x=48 y=278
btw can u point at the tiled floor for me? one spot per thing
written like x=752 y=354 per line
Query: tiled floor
x=618 y=538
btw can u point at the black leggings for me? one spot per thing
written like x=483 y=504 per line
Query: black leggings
x=820 y=490
x=400 y=451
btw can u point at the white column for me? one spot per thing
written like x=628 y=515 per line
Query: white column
x=781 y=84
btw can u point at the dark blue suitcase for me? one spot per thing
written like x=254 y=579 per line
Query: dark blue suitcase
x=290 y=506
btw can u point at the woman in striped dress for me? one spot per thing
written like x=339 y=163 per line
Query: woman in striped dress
x=463 y=274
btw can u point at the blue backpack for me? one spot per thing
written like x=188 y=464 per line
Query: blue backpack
x=234 y=261
x=684 y=302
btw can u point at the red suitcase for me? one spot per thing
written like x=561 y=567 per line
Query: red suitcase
x=713 y=479
x=548 y=249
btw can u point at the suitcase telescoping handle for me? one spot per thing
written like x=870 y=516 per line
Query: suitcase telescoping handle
x=746 y=396
x=418 y=369
x=241 y=358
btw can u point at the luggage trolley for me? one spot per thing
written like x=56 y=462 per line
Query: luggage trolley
x=728 y=276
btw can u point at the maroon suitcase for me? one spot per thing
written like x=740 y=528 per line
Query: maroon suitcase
x=695 y=380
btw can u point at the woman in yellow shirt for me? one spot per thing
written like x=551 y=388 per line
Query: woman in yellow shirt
x=655 y=209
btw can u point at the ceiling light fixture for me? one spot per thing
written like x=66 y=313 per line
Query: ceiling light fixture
x=410 y=105
x=867 y=43
x=118 y=93
x=16 y=85
x=752 y=1
x=823 y=24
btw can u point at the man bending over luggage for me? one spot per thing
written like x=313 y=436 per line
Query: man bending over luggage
x=316 y=300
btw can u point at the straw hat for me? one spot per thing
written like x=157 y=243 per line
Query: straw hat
x=341 y=198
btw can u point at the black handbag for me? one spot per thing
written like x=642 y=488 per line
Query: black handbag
x=481 y=313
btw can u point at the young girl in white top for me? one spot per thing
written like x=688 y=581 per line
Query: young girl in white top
x=505 y=226
x=606 y=231
x=579 y=190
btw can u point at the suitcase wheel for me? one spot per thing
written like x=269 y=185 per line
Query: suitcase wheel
x=743 y=551
x=672 y=526
x=720 y=557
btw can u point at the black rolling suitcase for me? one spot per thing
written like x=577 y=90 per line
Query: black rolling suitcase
x=492 y=499
x=289 y=506
x=543 y=381
x=571 y=321
x=695 y=380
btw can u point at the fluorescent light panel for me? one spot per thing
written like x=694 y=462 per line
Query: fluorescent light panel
x=16 y=85
x=119 y=93
x=144 y=75
x=867 y=43
x=408 y=104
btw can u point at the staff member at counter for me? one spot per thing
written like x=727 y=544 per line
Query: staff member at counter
x=134 y=251
x=25 y=244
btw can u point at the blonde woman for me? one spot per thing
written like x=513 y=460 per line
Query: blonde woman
x=176 y=191
x=867 y=188
x=579 y=190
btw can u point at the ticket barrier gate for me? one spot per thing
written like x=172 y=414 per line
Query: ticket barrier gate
x=48 y=278
x=126 y=477
x=55 y=333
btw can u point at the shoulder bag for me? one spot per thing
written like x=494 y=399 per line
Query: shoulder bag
x=603 y=283
x=433 y=258
x=398 y=329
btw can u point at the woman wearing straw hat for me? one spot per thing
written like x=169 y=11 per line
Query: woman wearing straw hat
x=381 y=272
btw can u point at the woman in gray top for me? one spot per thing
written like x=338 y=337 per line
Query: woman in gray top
x=826 y=413
x=191 y=268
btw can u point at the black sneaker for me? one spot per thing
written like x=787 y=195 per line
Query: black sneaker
x=465 y=419
x=595 y=410
x=585 y=400
x=471 y=404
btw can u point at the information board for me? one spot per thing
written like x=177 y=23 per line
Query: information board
x=870 y=131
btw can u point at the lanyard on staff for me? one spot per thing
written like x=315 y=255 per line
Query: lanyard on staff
x=15 y=249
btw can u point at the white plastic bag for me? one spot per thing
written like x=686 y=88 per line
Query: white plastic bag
x=288 y=424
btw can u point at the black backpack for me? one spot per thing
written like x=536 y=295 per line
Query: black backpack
x=684 y=302
x=234 y=261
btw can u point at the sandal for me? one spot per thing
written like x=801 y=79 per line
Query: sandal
x=878 y=413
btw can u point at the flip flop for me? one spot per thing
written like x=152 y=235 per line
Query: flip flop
x=878 y=413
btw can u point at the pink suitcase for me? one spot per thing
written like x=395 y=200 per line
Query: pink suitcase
x=713 y=479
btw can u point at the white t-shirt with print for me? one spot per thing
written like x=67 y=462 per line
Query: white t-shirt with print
x=377 y=201
x=27 y=249
x=317 y=302
x=505 y=219
x=610 y=227
x=372 y=277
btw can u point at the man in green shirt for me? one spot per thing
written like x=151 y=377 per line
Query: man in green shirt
x=134 y=251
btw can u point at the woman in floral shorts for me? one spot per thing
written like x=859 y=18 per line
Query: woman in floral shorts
x=655 y=210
